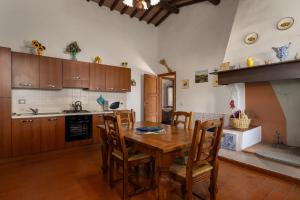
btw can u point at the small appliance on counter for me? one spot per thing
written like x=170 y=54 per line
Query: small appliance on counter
x=105 y=106
x=115 y=105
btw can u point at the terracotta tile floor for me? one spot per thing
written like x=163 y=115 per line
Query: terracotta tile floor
x=75 y=175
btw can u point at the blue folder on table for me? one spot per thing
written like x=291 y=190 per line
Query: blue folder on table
x=150 y=129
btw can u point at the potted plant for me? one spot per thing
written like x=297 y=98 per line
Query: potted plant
x=73 y=49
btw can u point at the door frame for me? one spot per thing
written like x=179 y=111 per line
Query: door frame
x=165 y=76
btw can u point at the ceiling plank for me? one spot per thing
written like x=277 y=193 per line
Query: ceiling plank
x=101 y=2
x=114 y=4
x=124 y=9
x=163 y=18
x=134 y=12
x=155 y=15
x=146 y=13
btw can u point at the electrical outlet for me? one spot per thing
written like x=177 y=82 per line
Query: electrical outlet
x=22 y=101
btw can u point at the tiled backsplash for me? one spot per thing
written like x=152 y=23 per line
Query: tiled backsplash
x=56 y=101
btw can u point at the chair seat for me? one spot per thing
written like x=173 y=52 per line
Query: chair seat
x=180 y=170
x=132 y=155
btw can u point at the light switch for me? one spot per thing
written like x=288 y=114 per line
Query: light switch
x=22 y=101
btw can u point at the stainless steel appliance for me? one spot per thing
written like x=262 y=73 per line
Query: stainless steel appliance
x=78 y=127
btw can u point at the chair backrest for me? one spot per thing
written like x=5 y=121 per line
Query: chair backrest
x=127 y=117
x=115 y=134
x=181 y=117
x=206 y=143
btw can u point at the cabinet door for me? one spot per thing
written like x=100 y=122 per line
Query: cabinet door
x=125 y=79
x=25 y=70
x=52 y=133
x=113 y=79
x=97 y=77
x=97 y=120
x=76 y=74
x=5 y=75
x=5 y=127
x=26 y=136
x=50 y=73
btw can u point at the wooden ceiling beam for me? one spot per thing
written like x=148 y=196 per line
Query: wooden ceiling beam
x=114 y=4
x=215 y=2
x=163 y=18
x=101 y=2
x=169 y=6
x=146 y=13
x=124 y=9
x=134 y=12
x=155 y=15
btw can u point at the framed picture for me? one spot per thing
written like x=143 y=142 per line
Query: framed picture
x=201 y=76
x=185 y=84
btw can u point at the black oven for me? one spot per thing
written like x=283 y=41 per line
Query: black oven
x=78 y=127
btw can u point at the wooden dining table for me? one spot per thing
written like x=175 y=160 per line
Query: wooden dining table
x=164 y=147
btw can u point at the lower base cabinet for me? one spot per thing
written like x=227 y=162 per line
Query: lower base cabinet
x=97 y=120
x=52 y=133
x=26 y=137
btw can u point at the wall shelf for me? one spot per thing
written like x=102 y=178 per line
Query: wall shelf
x=271 y=72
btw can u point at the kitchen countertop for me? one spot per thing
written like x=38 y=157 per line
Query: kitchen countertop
x=57 y=114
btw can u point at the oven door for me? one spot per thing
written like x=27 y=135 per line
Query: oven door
x=78 y=128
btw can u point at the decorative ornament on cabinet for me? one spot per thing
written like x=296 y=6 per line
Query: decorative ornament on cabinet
x=133 y=82
x=124 y=64
x=282 y=52
x=250 y=62
x=73 y=49
x=98 y=60
x=268 y=61
x=297 y=56
x=38 y=47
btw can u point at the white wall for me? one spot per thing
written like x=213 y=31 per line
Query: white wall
x=261 y=17
x=98 y=31
x=196 y=39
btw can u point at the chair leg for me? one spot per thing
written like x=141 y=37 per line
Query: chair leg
x=213 y=183
x=111 y=171
x=125 y=181
x=189 y=190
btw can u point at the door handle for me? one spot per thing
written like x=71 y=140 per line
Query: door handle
x=52 y=119
x=27 y=121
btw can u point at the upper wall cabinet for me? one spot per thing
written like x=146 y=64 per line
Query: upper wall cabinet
x=118 y=79
x=97 y=77
x=25 y=70
x=76 y=74
x=5 y=75
x=50 y=73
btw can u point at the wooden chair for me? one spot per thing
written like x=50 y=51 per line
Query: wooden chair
x=127 y=117
x=119 y=152
x=202 y=160
x=177 y=119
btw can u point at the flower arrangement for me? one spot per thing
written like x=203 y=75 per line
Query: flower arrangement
x=38 y=47
x=124 y=64
x=73 y=49
x=98 y=60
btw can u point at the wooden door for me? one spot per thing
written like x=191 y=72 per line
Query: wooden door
x=125 y=79
x=26 y=136
x=151 y=98
x=5 y=75
x=112 y=79
x=52 y=133
x=97 y=120
x=97 y=77
x=25 y=71
x=76 y=74
x=5 y=127
x=50 y=73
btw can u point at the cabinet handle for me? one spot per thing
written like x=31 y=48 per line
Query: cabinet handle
x=27 y=121
x=52 y=119
x=76 y=77
x=110 y=88
x=124 y=89
x=51 y=86
x=25 y=84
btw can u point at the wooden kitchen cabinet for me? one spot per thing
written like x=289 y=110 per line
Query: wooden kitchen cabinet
x=125 y=79
x=25 y=70
x=97 y=120
x=112 y=79
x=50 y=73
x=97 y=77
x=5 y=75
x=26 y=137
x=5 y=127
x=52 y=133
x=76 y=74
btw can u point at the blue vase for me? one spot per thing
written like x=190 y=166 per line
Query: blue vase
x=282 y=52
x=73 y=56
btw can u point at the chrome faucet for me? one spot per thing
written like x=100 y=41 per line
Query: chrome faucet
x=35 y=111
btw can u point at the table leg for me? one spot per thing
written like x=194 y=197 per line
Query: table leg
x=164 y=184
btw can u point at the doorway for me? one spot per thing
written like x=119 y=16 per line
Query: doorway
x=167 y=104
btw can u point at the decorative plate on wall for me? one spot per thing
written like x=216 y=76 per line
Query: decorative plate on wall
x=285 y=23
x=251 y=38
